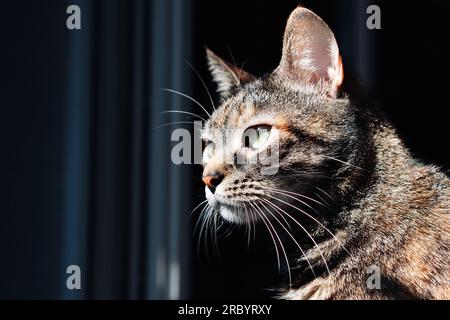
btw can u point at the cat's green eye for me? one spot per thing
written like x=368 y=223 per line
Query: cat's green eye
x=208 y=151
x=256 y=136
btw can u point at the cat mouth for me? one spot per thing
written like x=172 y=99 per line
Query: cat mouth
x=230 y=210
x=232 y=213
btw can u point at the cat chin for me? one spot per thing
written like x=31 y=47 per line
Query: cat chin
x=232 y=215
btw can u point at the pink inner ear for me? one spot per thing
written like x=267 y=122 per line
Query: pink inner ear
x=310 y=51
x=328 y=62
x=322 y=56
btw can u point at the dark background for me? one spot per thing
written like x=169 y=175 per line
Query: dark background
x=86 y=178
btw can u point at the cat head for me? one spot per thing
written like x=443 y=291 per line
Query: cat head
x=297 y=108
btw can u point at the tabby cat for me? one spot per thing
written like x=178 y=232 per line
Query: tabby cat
x=347 y=194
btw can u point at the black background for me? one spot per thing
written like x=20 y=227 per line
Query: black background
x=409 y=82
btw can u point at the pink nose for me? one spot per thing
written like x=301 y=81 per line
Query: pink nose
x=212 y=180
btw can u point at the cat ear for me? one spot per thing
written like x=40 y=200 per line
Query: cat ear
x=310 y=52
x=227 y=76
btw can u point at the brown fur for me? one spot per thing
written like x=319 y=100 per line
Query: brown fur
x=387 y=209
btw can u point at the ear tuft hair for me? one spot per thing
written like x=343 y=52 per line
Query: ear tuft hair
x=228 y=77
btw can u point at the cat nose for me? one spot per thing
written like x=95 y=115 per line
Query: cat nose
x=212 y=180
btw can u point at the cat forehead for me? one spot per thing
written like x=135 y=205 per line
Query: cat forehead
x=232 y=115
x=257 y=98
x=273 y=101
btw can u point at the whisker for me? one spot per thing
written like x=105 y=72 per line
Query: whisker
x=203 y=83
x=209 y=232
x=198 y=206
x=216 y=243
x=290 y=235
x=325 y=193
x=323 y=200
x=232 y=57
x=207 y=229
x=173 y=123
x=284 y=219
x=250 y=217
x=229 y=231
x=287 y=193
x=306 y=231
x=281 y=244
x=187 y=97
x=312 y=174
x=273 y=238
x=254 y=225
x=234 y=62
x=185 y=112
x=248 y=226
x=344 y=162
x=200 y=218
x=204 y=223
x=242 y=67
x=310 y=216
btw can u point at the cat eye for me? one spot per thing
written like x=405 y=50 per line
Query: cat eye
x=208 y=151
x=256 y=136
